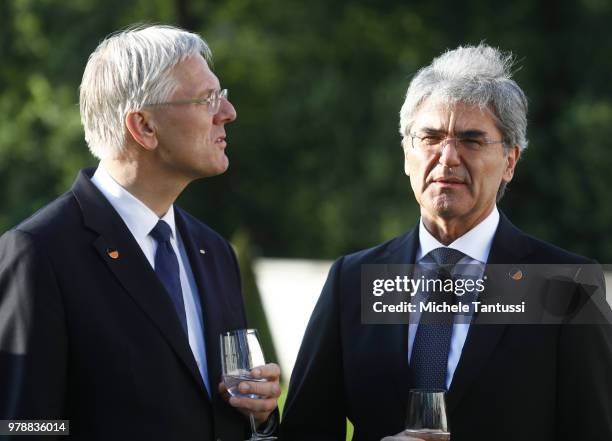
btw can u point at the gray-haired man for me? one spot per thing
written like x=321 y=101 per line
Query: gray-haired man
x=112 y=299
x=463 y=125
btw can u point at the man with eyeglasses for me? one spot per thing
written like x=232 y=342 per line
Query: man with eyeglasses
x=463 y=126
x=112 y=299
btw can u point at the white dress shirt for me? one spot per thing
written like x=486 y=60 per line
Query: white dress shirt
x=475 y=244
x=140 y=220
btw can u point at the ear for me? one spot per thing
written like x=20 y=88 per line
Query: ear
x=142 y=128
x=512 y=157
x=405 y=148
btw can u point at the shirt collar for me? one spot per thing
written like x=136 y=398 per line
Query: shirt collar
x=476 y=243
x=139 y=218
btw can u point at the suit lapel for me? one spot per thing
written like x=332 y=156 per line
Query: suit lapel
x=395 y=337
x=201 y=257
x=509 y=246
x=124 y=258
x=479 y=345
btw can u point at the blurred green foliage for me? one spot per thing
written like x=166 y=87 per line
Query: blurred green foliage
x=316 y=165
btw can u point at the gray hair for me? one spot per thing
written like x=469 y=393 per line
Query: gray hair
x=475 y=75
x=127 y=70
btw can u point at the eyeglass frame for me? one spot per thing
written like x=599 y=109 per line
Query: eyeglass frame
x=220 y=93
x=458 y=141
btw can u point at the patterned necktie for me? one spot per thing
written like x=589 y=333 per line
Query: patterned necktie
x=429 y=358
x=167 y=269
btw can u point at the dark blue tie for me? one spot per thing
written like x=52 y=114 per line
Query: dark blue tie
x=429 y=357
x=167 y=269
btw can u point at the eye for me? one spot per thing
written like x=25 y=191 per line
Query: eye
x=471 y=143
x=431 y=139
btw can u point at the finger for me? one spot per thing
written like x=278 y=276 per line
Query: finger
x=263 y=389
x=223 y=391
x=271 y=371
x=254 y=405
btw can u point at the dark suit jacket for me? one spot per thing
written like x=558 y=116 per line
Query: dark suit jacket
x=95 y=339
x=513 y=382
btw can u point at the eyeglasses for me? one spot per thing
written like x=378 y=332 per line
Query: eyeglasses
x=436 y=143
x=213 y=101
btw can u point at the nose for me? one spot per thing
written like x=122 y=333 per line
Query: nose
x=449 y=156
x=226 y=113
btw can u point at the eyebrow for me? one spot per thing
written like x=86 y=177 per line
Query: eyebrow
x=471 y=133
x=468 y=133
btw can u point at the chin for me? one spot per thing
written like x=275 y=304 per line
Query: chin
x=446 y=206
x=221 y=170
x=224 y=165
x=215 y=167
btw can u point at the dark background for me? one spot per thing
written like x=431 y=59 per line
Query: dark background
x=316 y=165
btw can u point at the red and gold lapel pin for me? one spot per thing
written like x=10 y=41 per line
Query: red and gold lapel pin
x=516 y=274
x=112 y=253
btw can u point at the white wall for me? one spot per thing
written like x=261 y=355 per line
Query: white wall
x=289 y=290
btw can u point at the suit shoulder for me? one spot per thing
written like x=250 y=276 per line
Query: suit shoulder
x=545 y=252
x=51 y=220
x=512 y=245
x=379 y=253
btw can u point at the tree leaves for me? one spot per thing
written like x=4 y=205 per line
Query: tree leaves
x=316 y=167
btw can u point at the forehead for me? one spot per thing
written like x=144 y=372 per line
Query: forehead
x=454 y=117
x=194 y=76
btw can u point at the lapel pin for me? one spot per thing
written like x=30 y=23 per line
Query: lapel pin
x=112 y=253
x=202 y=251
x=516 y=274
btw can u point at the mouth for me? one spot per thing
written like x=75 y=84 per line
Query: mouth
x=221 y=141
x=448 y=181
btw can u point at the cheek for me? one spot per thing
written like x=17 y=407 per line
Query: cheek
x=413 y=167
x=416 y=187
x=197 y=128
x=406 y=166
x=412 y=171
x=489 y=180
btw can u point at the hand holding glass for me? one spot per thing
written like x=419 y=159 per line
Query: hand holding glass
x=240 y=353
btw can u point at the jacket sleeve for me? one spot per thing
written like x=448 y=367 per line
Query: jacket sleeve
x=584 y=375
x=315 y=406
x=33 y=344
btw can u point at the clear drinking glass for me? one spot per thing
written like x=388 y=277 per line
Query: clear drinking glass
x=240 y=353
x=426 y=418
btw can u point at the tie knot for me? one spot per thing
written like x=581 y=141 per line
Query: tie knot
x=444 y=256
x=161 y=232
